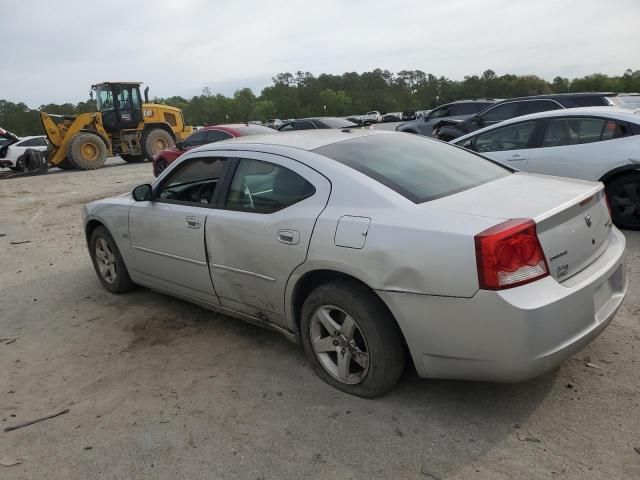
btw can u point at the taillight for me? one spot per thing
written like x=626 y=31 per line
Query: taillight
x=509 y=254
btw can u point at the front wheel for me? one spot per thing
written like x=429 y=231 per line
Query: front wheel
x=624 y=199
x=108 y=262
x=351 y=339
x=154 y=141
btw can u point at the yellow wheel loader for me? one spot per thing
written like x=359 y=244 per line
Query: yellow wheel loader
x=123 y=125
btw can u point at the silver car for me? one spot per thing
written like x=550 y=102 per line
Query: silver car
x=363 y=244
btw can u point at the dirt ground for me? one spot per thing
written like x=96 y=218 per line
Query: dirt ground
x=159 y=389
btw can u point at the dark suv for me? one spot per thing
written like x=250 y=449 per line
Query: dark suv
x=450 y=128
x=456 y=111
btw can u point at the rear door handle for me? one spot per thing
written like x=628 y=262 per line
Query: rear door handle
x=193 y=221
x=290 y=237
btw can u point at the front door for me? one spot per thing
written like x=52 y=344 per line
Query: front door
x=261 y=232
x=167 y=234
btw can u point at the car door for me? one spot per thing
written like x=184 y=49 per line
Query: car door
x=580 y=147
x=509 y=144
x=261 y=231
x=167 y=234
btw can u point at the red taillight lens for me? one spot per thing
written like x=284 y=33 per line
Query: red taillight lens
x=509 y=255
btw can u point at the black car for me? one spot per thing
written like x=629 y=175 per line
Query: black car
x=455 y=111
x=448 y=129
x=316 y=123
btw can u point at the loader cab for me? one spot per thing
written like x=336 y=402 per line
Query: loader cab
x=120 y=105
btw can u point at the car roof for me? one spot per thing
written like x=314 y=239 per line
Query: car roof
x=617 y=113
x=301 y=139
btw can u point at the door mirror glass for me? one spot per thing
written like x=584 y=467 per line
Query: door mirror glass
x=142 y=193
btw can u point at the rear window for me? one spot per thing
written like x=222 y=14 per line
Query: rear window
x=255 y=130
x=418 y=168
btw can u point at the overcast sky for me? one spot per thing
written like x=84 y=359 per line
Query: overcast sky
x=53 y=51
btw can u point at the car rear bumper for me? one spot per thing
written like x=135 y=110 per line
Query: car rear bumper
x=516 y=334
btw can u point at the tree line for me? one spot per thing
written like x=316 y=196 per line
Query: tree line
x=303 y=94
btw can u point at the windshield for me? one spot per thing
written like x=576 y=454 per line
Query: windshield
x=104 y=97
x=418 y=168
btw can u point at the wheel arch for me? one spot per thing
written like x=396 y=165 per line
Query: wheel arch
x=90 y=227
x=312 y=279
x=619 y=171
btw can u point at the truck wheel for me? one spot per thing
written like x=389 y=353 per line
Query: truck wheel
x=623 y=193
x=351 y=339
x=87 y=151
x=65 y=165
x=154 y=141
x=132 y=158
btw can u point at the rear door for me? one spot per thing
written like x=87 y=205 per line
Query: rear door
x=261 y=231
x=580 y=147
x=167 y=234
x=509 y=144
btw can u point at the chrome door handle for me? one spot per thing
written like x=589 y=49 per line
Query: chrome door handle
x=193 y=222
x=290 y=237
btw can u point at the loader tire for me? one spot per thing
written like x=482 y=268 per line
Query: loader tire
x=87 y=151
x=154 y=141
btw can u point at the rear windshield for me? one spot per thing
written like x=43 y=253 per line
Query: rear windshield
x=255 y=130
x=337 y=122
x=420 y=169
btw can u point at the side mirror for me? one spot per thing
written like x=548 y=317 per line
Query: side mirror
x=180 y=145
x=142 y=193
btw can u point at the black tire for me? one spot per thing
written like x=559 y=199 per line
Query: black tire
x=160 y=167
x=87 y=151
x=65 y=165
x=154 y=141
x=19 y=164
x=379 y=333
x=121 y=282
x=133 y=158
x=623 y=193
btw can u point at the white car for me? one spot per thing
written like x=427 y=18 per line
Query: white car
x=11 y=153
x=590 y=143
x=371 y=117
x=362 y=244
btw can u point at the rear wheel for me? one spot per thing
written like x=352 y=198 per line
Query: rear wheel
x=87 y=151
x=623 y=193
x=154 y=141
x=351 y=339
x=108 y=262
x=161 y=165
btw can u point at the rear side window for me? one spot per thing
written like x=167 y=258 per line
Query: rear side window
x=512 y=137
x=32 y=142
x=441 y=112
x=263 y=187
x=418 y=168
x=589 y=101
x=501 y=112
x=573 y=131
x=535 y=106
x=198 y=138
x=613 y=129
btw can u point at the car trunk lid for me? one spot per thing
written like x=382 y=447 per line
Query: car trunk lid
x=571 y=216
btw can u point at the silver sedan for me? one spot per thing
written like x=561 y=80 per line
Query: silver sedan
x=363 y=244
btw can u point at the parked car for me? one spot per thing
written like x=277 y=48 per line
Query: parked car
x=13 y=148
x=448 y=129
x=392 y=117
x=203 y=136
x=455 y=110
x=371 y=117
x=421 y=113
x=274 y=123
x=316 y=123
x=593 y=143
x=254 y=122
x=481 y=272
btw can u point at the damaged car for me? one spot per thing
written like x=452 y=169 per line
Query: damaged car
x=478 y=271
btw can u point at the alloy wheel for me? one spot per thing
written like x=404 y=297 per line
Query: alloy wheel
x=106 y=261
x=339 y=344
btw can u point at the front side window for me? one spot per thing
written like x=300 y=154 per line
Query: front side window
x=194 y=182
x=263 y=187
x=512 y=137
x=413 y=166
x=440 y=112
x=501 y=112
x=104 y=98
x=573 y=131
